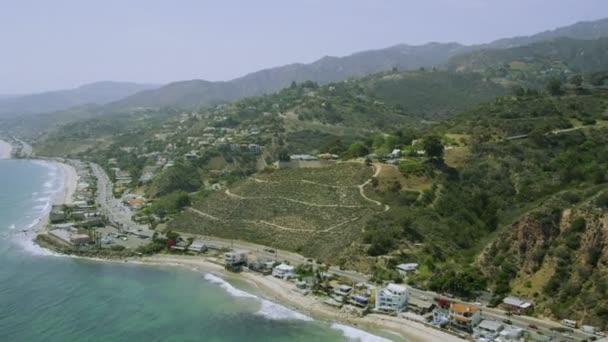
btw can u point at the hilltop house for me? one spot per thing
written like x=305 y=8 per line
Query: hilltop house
x=392 y=298
x=254 y=148
x=464 y=317
x=284 y=271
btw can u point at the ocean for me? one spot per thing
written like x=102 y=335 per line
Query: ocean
x=47 y=297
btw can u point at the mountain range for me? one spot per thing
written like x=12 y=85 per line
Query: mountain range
x=197 y=93
x=192 y=94
x=99 y=93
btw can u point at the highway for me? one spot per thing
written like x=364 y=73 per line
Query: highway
x=113 y=208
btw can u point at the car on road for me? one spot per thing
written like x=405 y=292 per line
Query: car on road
x=269 y=250
x=507 y=321
x=533 y=326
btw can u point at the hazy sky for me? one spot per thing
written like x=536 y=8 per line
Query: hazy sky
x=58 y=44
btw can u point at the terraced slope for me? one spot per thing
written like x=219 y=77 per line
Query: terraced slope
x=318 y=212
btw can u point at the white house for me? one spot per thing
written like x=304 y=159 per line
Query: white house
x=407 y=269
x=392 y=298
x=396 y=153
x=488 y=329
x=235 y=258
x=197 y=246
x=284 y=271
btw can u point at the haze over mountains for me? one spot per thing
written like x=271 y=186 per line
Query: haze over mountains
x=99 y=93
x=196 y=93
x=193 y=94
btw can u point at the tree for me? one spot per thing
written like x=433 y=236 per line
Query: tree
x=576 y=80
x=554 y=86
x=433 y=147
x=518 y=91
x=284 y=155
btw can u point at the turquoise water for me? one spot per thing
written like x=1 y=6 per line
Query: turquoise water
x=44 y=297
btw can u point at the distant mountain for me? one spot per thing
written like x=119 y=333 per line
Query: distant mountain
x=197 y=93
x=582 y=30
x=95 y=93
x=584 y=56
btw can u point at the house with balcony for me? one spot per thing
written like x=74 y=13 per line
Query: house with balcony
x=392 y=298
x=464 y=317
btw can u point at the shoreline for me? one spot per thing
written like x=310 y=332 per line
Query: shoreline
x=5 y=150
x=281 y=292
x=269 y=288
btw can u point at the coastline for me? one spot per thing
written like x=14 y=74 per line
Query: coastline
x=269 y=288
x=281 y=292
x=5 y=150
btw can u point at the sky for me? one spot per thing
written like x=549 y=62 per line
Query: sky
x=60 y=44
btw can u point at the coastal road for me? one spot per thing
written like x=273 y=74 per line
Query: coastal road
x=487 y=313
x=113 y=208
x=520 y=321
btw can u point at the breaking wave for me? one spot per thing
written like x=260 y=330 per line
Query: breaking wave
x=357 y=335
x=267 y=309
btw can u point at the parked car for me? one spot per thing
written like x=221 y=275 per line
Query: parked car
x=269 y=250
x=533 y=326
x=507 y=321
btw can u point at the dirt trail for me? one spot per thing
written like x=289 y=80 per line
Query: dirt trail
x=292 y=200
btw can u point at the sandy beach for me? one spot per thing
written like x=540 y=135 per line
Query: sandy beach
x=5 y=150
x=70 y=181
x=282 y=292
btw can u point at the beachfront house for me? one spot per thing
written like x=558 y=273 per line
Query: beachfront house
x=284 y=271
x=488 y=329
x=57 y=214
x=420 y=306
x=517 y=305
x=197 y=246
x=464 y=317
x=392 y=298
x=236 y=258
x=407 y=269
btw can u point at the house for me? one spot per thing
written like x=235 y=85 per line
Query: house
x=180 y=246
x=284 y=271
x=510 y=333
x=197 y=246
x=419 y=306
x=302 y=157
x=237 y=258
x=57 y=214
x=407 y=269
x=488 y=329
x=464 y=317
x=396 y=153
x=392 y=298
x=517 y=305
x=343 y=290
x=254 y=148
x=190 y=155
